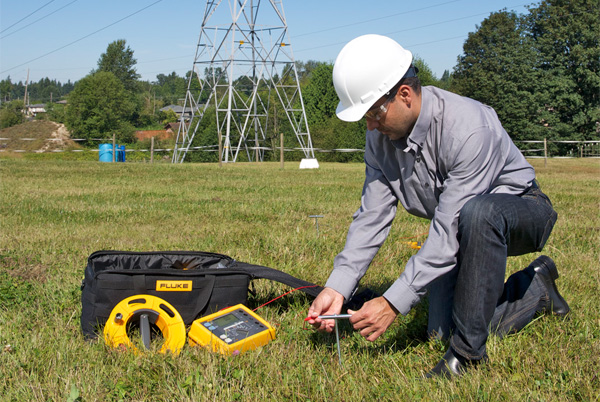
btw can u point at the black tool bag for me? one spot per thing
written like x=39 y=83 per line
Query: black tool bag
x=195 y=283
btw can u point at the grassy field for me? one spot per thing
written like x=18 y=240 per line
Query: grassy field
x=55 y=213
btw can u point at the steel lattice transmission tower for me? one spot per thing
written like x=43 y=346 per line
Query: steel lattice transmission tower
x=245 y=75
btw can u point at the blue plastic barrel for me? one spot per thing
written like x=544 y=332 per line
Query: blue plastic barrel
x=106 y=154
x=122 y=154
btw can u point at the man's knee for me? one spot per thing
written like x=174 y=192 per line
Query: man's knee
x=478 y=213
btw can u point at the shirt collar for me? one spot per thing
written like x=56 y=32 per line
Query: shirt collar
x=416 y=138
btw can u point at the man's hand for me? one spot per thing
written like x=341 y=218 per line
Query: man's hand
x=373 y=318
x=328 y=302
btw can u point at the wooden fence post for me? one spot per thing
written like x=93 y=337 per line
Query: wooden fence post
x=281 y=151
x=220 y=148
x=152 y=150
x=114 y=146
x=545 y=153
x=257 y=153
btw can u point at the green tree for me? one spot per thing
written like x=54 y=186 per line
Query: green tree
x=98 y=107
x=44 y=91
x=11 y=114
x=55 y=112
x=244 y=85
x=11 y=90
x=426 y=76
x=6 y=88
x=119 y=60
x=168 y=116
x=498 y=69
x=335 y=134
x=305 y=70
x=206 y=135
x=446 y=81
x=195 y=85
x=566 y=41
x=540 y=71
x=319 y=96
x=170 y=88
x=215 y=75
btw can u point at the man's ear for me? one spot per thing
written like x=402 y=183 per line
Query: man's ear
x=406 y=94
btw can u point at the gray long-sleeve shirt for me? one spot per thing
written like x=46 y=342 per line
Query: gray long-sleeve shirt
x=456 y=151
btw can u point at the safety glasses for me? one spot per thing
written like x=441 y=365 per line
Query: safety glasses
x=378 y=112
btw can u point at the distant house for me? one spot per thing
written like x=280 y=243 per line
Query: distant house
x=179 y=110
x=172 y=128
x=33 y=110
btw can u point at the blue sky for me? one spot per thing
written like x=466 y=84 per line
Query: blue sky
x=63 y=39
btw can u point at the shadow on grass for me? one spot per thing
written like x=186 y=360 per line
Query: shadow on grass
x=406 y=333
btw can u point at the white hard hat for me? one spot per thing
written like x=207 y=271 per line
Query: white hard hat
x=365 y=70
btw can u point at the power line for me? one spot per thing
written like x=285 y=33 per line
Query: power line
x=28 y=15
x=436 y=41
x=39 y=19
x=376 y=19
x=366 y=21
x=82 y=38
x=165 y=59
x=381 y=18
x=408 y=29
x=437 y=23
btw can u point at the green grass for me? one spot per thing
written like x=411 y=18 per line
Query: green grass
x=55 y=213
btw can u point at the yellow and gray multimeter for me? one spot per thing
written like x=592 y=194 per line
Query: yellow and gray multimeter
x=233 y=330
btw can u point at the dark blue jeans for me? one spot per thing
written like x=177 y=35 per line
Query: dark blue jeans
x=473 y=298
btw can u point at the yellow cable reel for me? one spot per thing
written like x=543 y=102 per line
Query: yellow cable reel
x=148 y=310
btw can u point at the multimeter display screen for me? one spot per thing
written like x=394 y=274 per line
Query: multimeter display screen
x=237 y=328
x=225 y=321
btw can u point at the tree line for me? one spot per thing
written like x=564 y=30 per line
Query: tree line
x=540 y=71
x=45 y=90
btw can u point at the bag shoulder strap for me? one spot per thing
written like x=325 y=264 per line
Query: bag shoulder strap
x=262 y=272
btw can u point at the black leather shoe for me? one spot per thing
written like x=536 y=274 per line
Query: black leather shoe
x=546 y=269
x=453 y=365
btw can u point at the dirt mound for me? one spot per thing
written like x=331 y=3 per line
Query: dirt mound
x=36 y=136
